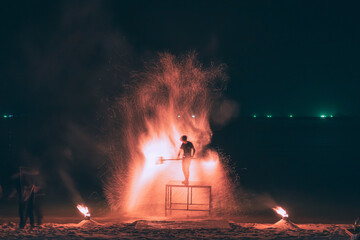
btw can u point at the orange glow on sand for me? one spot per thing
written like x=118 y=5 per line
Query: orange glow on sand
x=169 y=87
x=84 y=210
x=281 y=212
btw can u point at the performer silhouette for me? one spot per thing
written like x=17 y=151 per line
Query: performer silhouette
x=188 y=151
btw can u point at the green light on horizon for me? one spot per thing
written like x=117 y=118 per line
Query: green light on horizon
x=5 y=116
x=323 y=116
x=291 y=116
x=331 y=115
x=254 y=116
x=269 y=116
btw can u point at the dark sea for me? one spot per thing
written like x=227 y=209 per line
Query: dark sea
x=310 y=166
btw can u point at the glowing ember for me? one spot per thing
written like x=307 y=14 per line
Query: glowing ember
x=84 y=210
x=281 y=212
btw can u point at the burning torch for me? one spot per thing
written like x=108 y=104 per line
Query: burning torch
x=84 y=210
x=284 y=222
x=281 y=212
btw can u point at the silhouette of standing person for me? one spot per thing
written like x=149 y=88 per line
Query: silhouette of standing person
x=188 y=151
x=39 y=196
x=25 y=188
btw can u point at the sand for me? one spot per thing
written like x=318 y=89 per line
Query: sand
x=185 y=229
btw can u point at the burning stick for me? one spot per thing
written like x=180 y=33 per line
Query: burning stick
x=84 y=210
x=161 y=160
x=354 y=232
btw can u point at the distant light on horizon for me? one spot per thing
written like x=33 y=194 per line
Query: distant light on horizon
x=178 y=116
x=5 y=116
x=291 y=116
x=193 y=116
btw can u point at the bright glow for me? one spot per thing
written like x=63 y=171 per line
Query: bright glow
x=211 y=164
x=153 y=132
x=5 y=116
x=291 y=115
x=331 y=115
x=149 y=177
x=323 y=116
x=281 y=211
x=84 y=210
x=152 y=149
x=269 y=116
x=254 y=116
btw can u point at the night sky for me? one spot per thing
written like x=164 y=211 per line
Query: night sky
x=284 y=57
x=62 y=61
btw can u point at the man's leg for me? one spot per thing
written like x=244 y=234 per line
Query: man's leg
x=186 y=169
x=31 y=209
x=38 y=210
x=21 y=214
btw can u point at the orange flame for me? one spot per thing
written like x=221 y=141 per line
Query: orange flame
x=281 y=212
x=171 y=97
x=84 y=210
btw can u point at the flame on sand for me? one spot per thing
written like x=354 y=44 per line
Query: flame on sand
x=173 y=96
x=281 y=212
x=84 y=210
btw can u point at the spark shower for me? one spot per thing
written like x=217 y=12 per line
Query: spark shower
x=170 y=97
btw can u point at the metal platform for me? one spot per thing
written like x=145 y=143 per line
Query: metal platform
x=192 y=197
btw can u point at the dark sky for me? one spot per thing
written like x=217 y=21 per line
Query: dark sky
x=284 y=57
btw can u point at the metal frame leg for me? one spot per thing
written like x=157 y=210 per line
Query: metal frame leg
x=165 y=199
x=170 y=197
x=187 y=199
x=210 y=200
x=191 y=196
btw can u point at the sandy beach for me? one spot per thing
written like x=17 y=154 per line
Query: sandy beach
x=179 y=229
